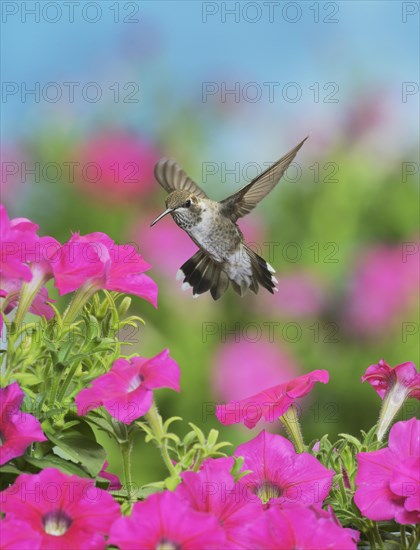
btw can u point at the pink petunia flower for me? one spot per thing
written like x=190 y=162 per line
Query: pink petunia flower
x=66 y=510
x=271 y=403
x=10 y=289
x=17 y=429
x=17 y=238
x=307 y=528
x=17 y=535
x=394 y=386
x=25 y=266
x=280 y=475
x=96 y=262
x=384 y=378
x=388 y=480
x=126 y=391
x=118 y=167
x=114 y=480
x=166 y=520
x=213 y=490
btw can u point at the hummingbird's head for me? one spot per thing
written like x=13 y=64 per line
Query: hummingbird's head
x=179 y=203
x=181 y=199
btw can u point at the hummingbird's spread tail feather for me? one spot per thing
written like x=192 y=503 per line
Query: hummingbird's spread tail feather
x=202 y=274
x=262 y=273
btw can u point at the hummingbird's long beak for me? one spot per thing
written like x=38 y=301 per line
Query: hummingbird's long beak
x=167 y=211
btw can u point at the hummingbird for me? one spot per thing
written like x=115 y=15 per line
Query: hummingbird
x=223 y=257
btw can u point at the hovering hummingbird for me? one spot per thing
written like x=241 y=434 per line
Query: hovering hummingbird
x=223 y=256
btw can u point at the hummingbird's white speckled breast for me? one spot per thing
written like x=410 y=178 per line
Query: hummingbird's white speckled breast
x=215 y=233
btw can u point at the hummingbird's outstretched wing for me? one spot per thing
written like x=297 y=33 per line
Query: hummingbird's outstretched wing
x=243 y=201
x=171 y=177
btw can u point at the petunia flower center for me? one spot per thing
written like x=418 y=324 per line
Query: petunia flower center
x=267 y=490
x=56 y=523
x=135 y=382
x=2 y=439
x=165 y=544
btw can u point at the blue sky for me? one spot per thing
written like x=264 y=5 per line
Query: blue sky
x=370 y=47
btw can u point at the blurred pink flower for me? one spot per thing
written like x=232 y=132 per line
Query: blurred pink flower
x=114 y=480
x=166 y=520
x=280 y=476
x=17 y=237
x=385 y=280
x=17 y=429
x=13 y=180
x=299 y=295
x=254 y=232
x=271 y=403
x=165 y=245
x=308 y=528
x=388 y=480
x=66 y=510
x=94 y=260
x=214 y=490
x=118 y=166
x=366 y=113
x=126 y=391
x=243 y=365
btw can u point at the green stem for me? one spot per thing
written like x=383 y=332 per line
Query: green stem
x=27 y=294
x=291 y=423
x=342 y=492
x=54 y=388
x=198 y=461
x=391 y=404
x=155 y=422
x=85 y=292
x=403 y=537
x=9 y=357
x=416 y=539
x=126 y=450
x=377 y=536
x=371 y=539
x=67 y=381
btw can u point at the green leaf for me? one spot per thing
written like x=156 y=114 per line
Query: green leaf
x=172 y=437
x=351 y=439
x=53 y=461
x=212 y=438
x=221 y=445
x=199 y=434
x=79 y=446
x=9 y=469
x=189 y=439
x=27 y=379
x=151 y=488
x=168 y=422
x=172 y=483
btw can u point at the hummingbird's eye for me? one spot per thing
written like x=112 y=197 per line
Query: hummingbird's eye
x=188 y=203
